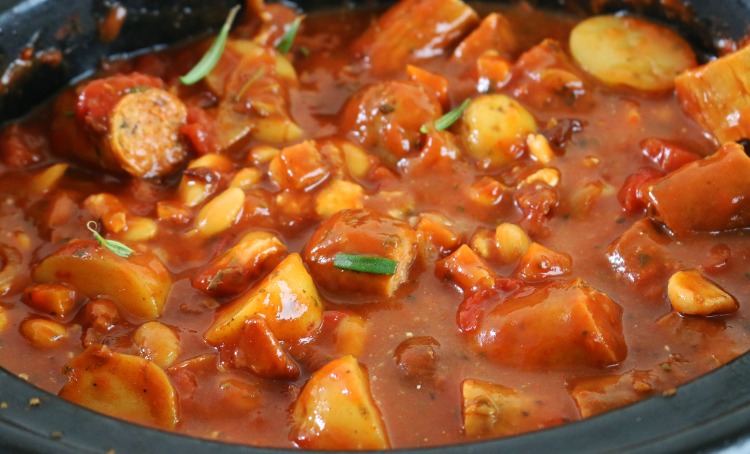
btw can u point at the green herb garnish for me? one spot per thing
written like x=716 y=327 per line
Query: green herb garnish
x=211 y=57
x=288 y=39
x=365 y=263
x=114 y=246
x=448 y=119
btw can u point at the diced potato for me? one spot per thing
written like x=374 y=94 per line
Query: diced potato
x=259 y=351
x=43 y=333
x=140 y=284
x=360 y=232
x=48 y=178
x=491 y=124
x=629 y=51
x=338 y=196
x=490 y=410
x=10 y=268
x=435 y=236
x=465 y=270
x=3 y=319
x=299 y=167
x=435 y=82
x=717 y=95
x=144 y=133
x=254 y=97
x=350 y=335
x=57 y=300
x=335 y=410
x=640 y=255
x=512 y=242
x=691 y=293
x=540 y=263
x=123 y=386
x=239 y=396
x=679 y=200
x=563 y=325
x=357 y=160
x=157 y=343
x=494 y=33
x=414 y=29
x=288 y=300
x=233 y=270
x=597 y=395
x=220 y=213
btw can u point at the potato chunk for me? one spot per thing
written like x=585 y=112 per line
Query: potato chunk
x=123 y=386
x=563 y=325
x=232 y=271
x=491 y=124
x=596 y=395
x=260 y=352
x=362 y=232
x=387 y=116
x=717 y=95
x=413 y=30
x=621 y=50
x=286 y=298
x=691 y=293
x=540 y=263
x=140 y=284
x=335 y=410
x=709 y=195
x=494 y=410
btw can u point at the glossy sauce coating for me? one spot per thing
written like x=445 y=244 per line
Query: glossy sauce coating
x=534 y=237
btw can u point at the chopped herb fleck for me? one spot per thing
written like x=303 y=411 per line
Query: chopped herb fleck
x=286 y=42
x=448 y=119
x=114 y=246
x=365 y=263
x=212 y=56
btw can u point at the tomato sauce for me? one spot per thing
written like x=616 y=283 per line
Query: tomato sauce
x=553 y=252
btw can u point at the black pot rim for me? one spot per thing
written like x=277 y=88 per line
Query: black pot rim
x=706 y=414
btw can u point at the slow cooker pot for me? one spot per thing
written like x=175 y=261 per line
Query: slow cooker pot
x=708 y=414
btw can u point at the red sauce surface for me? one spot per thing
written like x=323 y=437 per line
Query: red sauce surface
x=415 y=355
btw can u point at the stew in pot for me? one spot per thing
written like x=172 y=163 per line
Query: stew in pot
x=382 y=229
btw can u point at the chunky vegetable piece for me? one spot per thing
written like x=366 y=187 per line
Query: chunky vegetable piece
x=715 y=95
x=335 y=410
x=563 y=325
x=286 y=298
x=629 y=51
x=496 y=410
x=412 y=30
x=139 y=284
x=723 y=178
x=479 y=210
x=491 y=125
x=366 y=233
x=691 y=293
x=123 y=386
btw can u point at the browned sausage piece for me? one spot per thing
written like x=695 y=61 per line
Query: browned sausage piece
x=709 y=195
x=144 y=137
x=362 y=232
x=565 y=324
x=414 y=29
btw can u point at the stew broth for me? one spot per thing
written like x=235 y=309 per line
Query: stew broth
x=351 y=170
